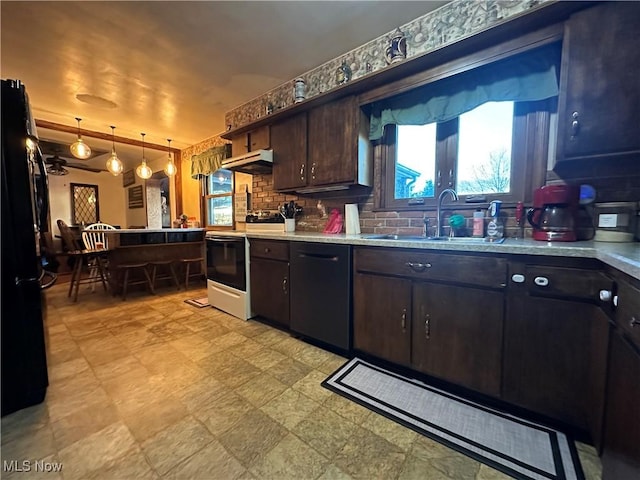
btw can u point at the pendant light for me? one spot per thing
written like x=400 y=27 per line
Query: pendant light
x=170 y=169
x=114 y=164
x=143 y=170
x=79 y=149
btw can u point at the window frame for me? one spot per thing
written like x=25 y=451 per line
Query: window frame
x=205 y=202
x=529 y=154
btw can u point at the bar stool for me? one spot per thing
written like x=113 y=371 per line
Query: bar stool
x=83 y=260
x=187 y=263
x=127 y=268
x=170 y=272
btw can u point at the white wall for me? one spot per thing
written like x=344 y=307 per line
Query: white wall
x=110 y=195
x=113 y=197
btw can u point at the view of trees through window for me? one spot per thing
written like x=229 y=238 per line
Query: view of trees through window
x=483 y=163
x=219 y=198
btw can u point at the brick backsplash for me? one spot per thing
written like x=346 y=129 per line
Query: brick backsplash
x=401 y=223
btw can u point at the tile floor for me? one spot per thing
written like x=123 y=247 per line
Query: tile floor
x=155 y=388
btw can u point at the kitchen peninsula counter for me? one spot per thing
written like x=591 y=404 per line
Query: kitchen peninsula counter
x=129 y=237
x=624 y=257
x=128 y=246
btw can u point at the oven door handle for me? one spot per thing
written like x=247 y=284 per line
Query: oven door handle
x=225 y=240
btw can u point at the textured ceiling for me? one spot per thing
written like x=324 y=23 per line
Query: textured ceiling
x=172 y=69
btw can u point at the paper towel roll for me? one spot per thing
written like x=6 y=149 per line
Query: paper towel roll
x=352 y=219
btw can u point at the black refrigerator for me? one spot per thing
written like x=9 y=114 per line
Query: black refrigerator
x=25 y=215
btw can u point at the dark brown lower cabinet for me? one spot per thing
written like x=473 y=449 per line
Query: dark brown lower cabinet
x=457 y=335
x=409 y=311
x=546 y=357
x=382 y=317
x=270 y=289
x=555 y=341
x=598 y=362
x=621 y=456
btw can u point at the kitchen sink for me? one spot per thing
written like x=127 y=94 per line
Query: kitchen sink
x=471 y=240
x=383 y=236
x=419 y=238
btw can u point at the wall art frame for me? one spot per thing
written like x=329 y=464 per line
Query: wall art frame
x=128 y=178
x=136 y=197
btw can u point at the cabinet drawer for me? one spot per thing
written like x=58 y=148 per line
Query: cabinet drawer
x=273 y=249
x=430 y=265
x=628 y=311
x=566 y=282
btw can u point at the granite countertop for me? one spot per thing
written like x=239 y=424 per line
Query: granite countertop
x=153 y=230
x=622 y=256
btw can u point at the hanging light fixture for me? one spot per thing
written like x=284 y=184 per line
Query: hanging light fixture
x=114 y=164
x=143 y=170
x=79 y=149
x=171 y=168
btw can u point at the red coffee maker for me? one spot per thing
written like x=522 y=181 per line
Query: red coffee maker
x=554 y=213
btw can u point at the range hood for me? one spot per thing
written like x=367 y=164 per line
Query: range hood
x=258 y=161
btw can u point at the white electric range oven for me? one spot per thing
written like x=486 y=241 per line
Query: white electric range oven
x=228 y=273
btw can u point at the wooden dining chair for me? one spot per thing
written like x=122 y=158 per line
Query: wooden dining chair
x=95 y=237
x=83 y=259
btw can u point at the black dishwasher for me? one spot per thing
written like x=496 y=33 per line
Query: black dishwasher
x=320 y=292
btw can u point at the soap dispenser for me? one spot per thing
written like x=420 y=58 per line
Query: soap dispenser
x=495 y=228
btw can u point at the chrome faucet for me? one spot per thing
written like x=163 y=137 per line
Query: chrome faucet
x=443 y=194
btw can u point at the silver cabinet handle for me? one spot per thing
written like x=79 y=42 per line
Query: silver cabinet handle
x=418 y=267
x=427 y=326
x=605 y=295
x=285 y=285
x=267 y=250
x=451 y=177
x=633 y=322
x=541 y=281
x=439 y=182
x=575 y=125
x=313 y=171
x=517 y=278
x=403 y=323
x=302 y=172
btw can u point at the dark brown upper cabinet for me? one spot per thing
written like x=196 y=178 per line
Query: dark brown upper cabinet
x=257 y=139
x=599 y=102
x=326 y=148
x=289 y=140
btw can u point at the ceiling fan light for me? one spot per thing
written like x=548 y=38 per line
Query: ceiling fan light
x=79 y=149
x=57 y=171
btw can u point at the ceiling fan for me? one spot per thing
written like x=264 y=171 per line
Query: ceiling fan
x=56 y=162
x=56 y=166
